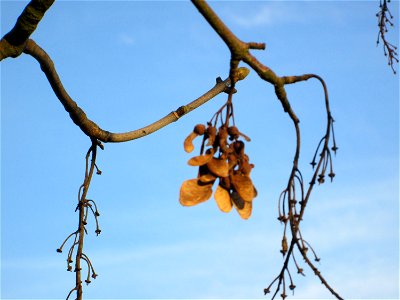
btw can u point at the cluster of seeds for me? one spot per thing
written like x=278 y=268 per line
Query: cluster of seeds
x=222 y=157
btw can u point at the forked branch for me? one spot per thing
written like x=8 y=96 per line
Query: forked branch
x=240 y=51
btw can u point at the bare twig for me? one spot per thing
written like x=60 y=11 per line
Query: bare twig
x=83 y=205
x=384 y=19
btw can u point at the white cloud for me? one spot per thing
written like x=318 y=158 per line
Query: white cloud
x=273 y=13
x=267 y=15
x=126 y=39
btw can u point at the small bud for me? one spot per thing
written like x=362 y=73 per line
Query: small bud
x=242 y=73
x=266 y=291
x=59 y=250
x=284 y=246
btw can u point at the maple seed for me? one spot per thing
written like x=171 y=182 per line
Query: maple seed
x=212 y=133
x=244 y=187
x=223 y=199
x=233 y=132
x=207 y=178
x=188 y=143
x=219 y=167
x=201 y=159
x=192 y=192
x=237 y=200
x=245 y=212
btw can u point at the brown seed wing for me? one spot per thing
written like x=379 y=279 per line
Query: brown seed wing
x=201 y=159
x=237 y=200
x=223 y=199
x=245 y=213
x=244 y=186
x=192 y=193
x=207 y=178
x=219 y=167
x=188 y=143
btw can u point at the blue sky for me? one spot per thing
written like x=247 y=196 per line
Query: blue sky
x=128 y=64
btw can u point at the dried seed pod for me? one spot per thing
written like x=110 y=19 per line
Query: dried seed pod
x=188 y=143
x=222 y=136
x=245 y=137
x=192 y=192
x=225 y=182
x=245 y=212
x=199 y=129
x=232 y=160
x=245 y=167
x=233 y=132
x=201 y=159
x=244 y=186
x=223 y=199
x=239 y=147
x=237 y=200
x=211 y=133
x=207 y=178
x=219 y=167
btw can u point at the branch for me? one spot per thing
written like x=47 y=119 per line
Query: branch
x=13 y=43
x=318 y=273
x=240 y=52
x=90 y=128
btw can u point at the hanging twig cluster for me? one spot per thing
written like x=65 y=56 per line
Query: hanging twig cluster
x=293 y=201
x=85 y=207
x=222 y=156
x=385 y=18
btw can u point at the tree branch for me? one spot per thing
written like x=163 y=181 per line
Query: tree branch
x=240 y=52
x=13 y=43
x=90 y=128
